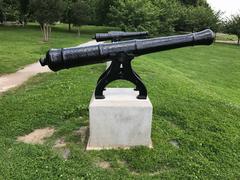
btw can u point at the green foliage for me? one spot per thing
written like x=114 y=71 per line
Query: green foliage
x=102 y=10
x=189 y=2
x=155 y=16
x=1 y=12
x=80 y=13
x=194 y=2
x=14 y=10
x=47 y=11
x=163 y=17
x=8 y=10
x=24 y=10
x=168 y=15
x=233 y=26
x=134 y=15
x=198 y=18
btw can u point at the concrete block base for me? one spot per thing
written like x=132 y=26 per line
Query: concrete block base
x=120 y=120
x=108 y=63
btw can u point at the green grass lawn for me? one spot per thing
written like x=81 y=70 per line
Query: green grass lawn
x=20 y=46
x=226 y=37
x=195 y=93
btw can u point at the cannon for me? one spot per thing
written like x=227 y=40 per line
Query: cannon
x=115 y=36
x=121 y=54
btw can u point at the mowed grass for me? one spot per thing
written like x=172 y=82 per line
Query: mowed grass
x=226 y=37
x=20 y=46
x=195 y=93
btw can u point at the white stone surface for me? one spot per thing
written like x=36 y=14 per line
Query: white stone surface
x=120 y=120
x=108 y=63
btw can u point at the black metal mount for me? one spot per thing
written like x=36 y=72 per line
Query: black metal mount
x=120 y=69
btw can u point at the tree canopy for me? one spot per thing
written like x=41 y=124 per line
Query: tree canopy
x=155 y=16
x=46 y=12
x=80 y=13
x=233 y=26
x=24 y=10
x=161 y=16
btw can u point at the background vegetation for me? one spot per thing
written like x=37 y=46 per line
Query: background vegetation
x=156 y=16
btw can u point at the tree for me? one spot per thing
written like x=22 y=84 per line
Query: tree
x=102 y=10
x=67 y=15
x=80 y=13
x=132 y=15
x=194 y=3
x=70 y=11
x=8 y=10
x=168 y=15
x=24 y=11
x=2 y=16
x=163 y=17
x=46 y=12
x=93 y=16
x=189 y=2
x=198 y=18
x=233 y=26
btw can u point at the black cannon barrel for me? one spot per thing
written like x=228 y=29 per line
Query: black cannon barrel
x=58 y=59
x=119 y=35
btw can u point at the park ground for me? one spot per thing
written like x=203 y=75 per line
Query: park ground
x=195 y=93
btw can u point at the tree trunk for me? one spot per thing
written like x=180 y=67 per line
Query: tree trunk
x=238 y=40
x=41 y=27
x=45 y=32
x=25 y=21
x=78 y=31
x=69 y=27
x=49 y=31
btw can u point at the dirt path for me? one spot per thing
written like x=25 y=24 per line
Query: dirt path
x=13 y=80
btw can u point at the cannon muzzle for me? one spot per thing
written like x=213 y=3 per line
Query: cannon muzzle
x=58 y=59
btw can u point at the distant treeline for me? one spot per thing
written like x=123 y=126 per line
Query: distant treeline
x=155 y=16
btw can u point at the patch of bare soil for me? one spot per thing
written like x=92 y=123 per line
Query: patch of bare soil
x=38 y=136
x=175 y=143
x=149 y=174
x=60 y=143
x=82 y=132
x=60 y=147
x=121 y=163
x=103 y=164
x=63 y=152
x=154 y=173
x=66 y=153
x=135 y=173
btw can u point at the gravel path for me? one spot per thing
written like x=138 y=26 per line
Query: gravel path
x=13 y=80
x=226 y=42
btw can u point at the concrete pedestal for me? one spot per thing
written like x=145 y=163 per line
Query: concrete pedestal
x=120 y=120
x=108 y=63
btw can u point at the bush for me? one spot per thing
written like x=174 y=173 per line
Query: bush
x=162 y=17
